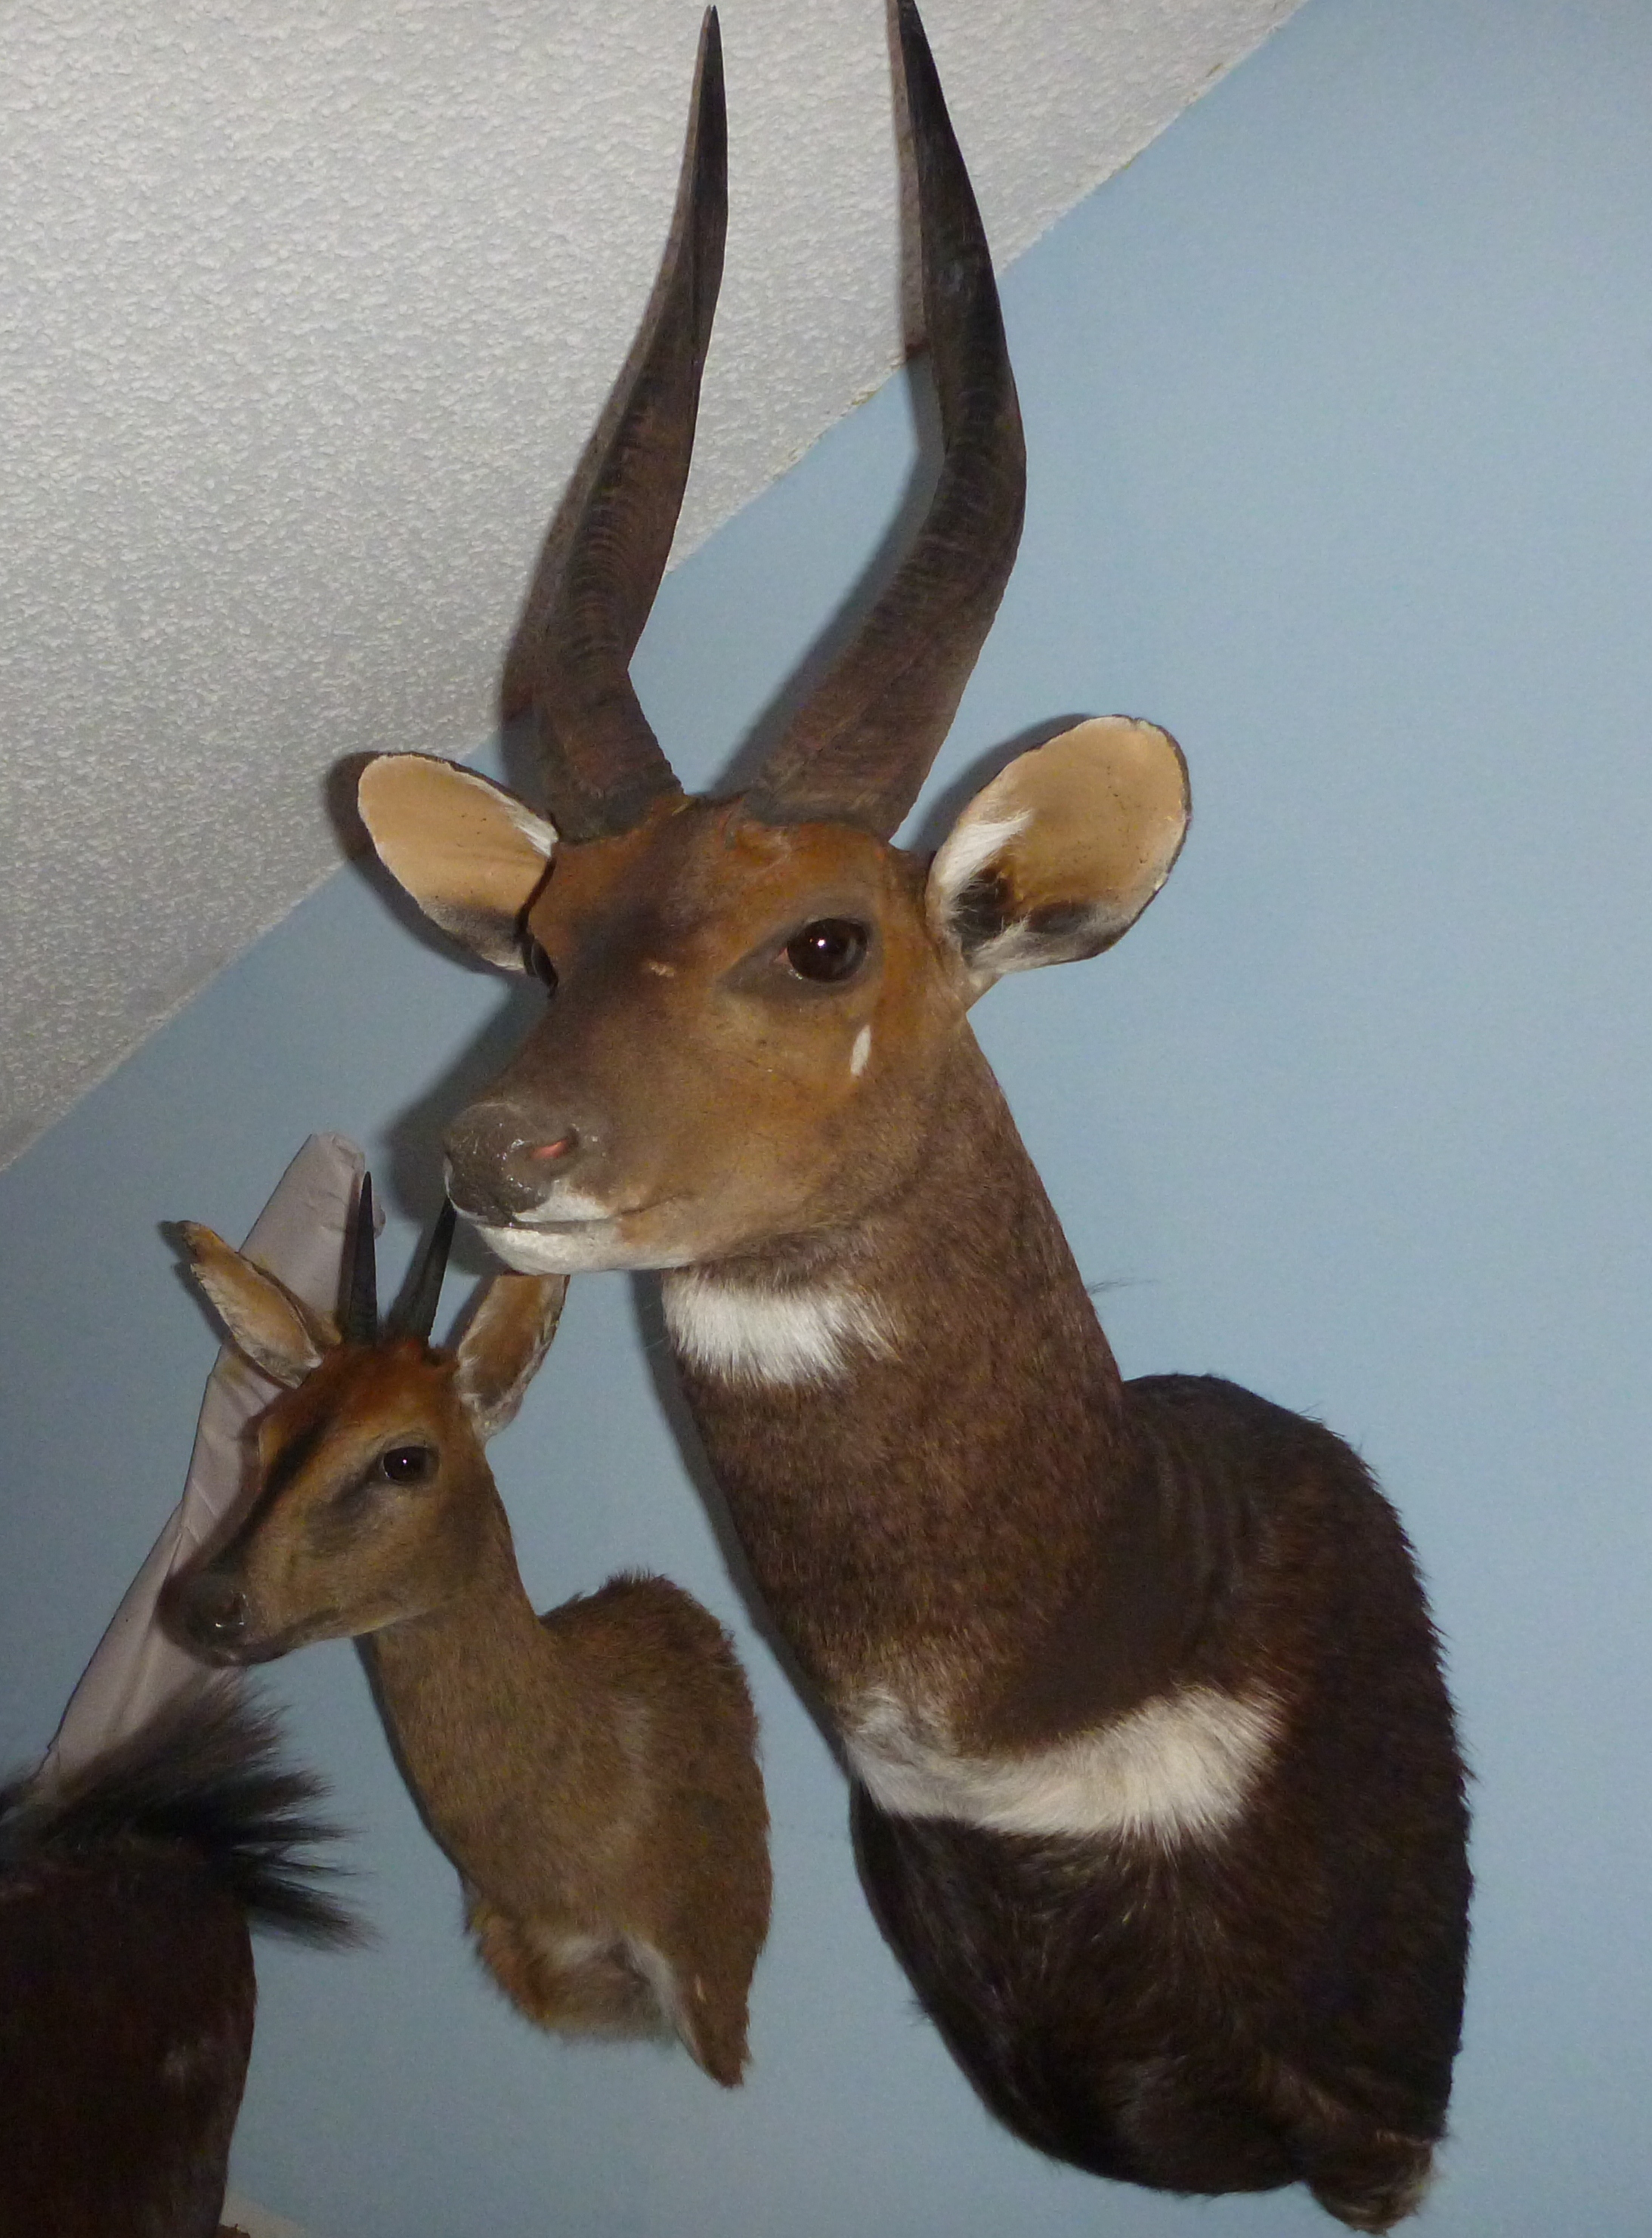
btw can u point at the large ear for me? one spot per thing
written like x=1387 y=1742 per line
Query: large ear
x=471 y=854
x=506 y=1339
x=1063 y=851
x=277 y=1331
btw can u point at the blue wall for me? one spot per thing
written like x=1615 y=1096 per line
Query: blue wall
x=1339 y=408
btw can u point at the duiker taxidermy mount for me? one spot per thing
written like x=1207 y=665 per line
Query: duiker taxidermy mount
x=591 y=1773
x=1156 y=1791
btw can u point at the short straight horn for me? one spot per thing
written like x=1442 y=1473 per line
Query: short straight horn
x=859 y=750
x=603 y=562
x=419 y=1318
x=360 y=1321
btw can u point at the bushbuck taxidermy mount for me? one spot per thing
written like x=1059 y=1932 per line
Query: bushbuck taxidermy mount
x=127 y=1891
x=591 y=1773
x=1156 y=1789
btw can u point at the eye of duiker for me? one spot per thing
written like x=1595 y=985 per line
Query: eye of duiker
x=828 y=951
x=407 y=1464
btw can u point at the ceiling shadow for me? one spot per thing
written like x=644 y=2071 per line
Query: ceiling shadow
x=414 y=1135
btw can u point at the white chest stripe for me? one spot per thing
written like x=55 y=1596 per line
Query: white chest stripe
x=768 y=1336
x=1174 y=1769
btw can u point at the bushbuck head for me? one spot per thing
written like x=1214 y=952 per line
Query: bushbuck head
x=373 y=1497
x=753 y=999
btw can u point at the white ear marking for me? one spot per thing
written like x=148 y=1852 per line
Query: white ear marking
x=539 y=833
x=965 y=852
x=1059 y=854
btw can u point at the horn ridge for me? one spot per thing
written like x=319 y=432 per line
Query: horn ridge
x=860 y=748
x=601 y=566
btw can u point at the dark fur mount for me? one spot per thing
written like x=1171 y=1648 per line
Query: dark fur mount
x=126 y=1970
x=1282 y=2004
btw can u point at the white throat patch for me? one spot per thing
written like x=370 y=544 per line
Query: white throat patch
x=1176 y=1769
x=748 y=1335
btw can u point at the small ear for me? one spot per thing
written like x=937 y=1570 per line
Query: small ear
x=471 y=854
x=507 y=1336
x=1063 y=851
x=278 y=1331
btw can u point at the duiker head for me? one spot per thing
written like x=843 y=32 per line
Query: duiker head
x=753 y=1001
x=373 y=1501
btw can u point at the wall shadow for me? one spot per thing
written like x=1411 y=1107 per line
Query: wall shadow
x=842 y=627
x=414 y=1135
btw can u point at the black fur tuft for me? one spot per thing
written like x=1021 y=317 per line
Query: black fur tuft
x=207 y=1776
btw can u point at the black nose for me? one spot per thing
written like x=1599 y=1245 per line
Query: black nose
x=501 y=1164
x=208 y=1613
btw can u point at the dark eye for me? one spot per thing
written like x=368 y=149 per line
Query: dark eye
x=539 y=962
x=407 y=1464
x=830 y=950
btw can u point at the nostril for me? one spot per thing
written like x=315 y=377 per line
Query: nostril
x=214 y=1613
x=227 y=1621
x=502 y=1161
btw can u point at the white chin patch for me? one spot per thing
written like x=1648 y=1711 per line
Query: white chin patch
x=748 y=1335
x=1176 y=1769
x=564 y=1205
x=583 y=1247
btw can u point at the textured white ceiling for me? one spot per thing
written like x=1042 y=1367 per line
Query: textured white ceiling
x=305 y=313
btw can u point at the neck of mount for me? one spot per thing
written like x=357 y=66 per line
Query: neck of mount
x=920 y=1520
x=457 y=1681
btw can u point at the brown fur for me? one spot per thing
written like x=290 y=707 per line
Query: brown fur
x=1050 y=1548
x=592 y=1773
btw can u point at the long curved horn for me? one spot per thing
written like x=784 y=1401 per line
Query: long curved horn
x=602 y=563
x=858 y=752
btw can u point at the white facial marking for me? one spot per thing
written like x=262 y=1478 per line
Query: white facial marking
x=1176 y=1769
x=748 y=1335
x=564 y=1204
x=664 y=970
x=861 y=1051
x=581 y=1246
x=971 y=846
